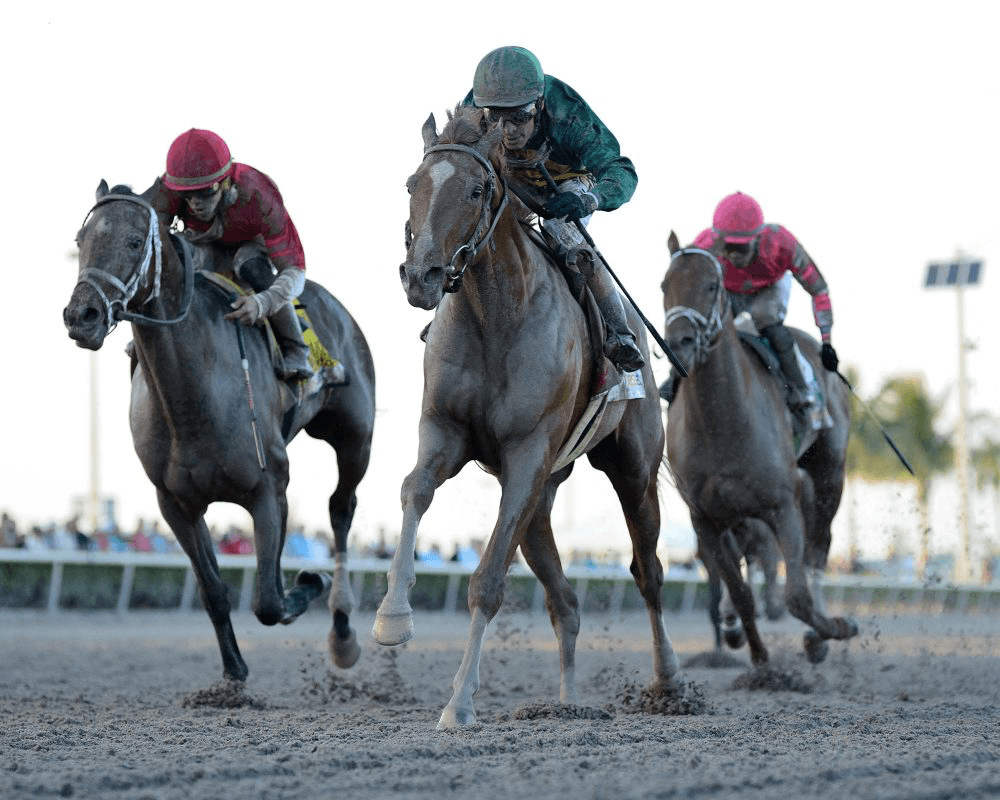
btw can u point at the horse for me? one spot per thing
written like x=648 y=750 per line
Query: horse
x=507 y=370
x=754 y=544
x=209 y=419
x=732 y=450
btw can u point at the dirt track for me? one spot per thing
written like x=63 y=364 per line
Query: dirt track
x=100 y=706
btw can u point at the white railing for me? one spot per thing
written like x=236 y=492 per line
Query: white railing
x=862 y=591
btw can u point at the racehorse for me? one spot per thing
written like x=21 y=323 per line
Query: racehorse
x=508 y=367
x=732 y=451
x=211 y=426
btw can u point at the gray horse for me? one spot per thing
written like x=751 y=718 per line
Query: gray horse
x=210 y=427
x=732 y=451
x=508 y=373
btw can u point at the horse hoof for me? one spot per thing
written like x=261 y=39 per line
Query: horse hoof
x=453 y=717
x=775 y=612
x=393 y=629
x=318 y=581
x=344 y=652
x=816 y=647
x=735 y=638
x=849 y=627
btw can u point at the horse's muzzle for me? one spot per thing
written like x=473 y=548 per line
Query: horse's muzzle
x=85 y=325
x=424 y=286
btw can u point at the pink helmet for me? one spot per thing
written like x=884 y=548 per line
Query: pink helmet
x=738 y=218
x=196 y=160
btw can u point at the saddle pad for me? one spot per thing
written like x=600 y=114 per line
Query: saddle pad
x=630 y=387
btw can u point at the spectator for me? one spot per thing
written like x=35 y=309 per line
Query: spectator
x=8 y=531
x=140 y=539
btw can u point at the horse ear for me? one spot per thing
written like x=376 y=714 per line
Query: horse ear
x=429 y=132
x=102 y=189
x=673 y=245
x=153 y=190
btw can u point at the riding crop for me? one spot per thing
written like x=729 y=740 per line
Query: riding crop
x=590 y=241
x=258 y=444
x=871 y=413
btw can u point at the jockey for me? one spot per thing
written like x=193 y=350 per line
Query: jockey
x=544 y=118
x=220 y=200
x=759 y=261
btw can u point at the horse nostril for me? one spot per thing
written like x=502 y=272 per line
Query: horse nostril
x=91 y=316
x=433 y=276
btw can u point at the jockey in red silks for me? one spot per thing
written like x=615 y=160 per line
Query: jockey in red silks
x=759 y=261
x=239 y=207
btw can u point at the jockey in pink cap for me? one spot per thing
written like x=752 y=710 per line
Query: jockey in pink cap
x=759 y=261
x=240 y=208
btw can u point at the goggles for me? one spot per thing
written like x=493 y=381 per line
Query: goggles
x=515 y=116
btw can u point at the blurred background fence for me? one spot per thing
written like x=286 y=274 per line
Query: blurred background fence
x=64 y=581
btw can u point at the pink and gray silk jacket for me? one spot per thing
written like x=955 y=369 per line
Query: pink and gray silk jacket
x=778 y=252
x=258 y=212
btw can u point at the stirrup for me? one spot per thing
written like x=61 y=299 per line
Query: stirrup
x=295 y=371
x=623 y=353
x=581 y=259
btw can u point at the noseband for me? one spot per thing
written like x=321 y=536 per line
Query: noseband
x=152 y=256
x=707 y=329
x=482 y=234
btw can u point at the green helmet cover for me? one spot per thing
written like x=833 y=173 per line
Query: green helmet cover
x=507 y=77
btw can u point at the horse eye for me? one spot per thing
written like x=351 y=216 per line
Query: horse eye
x=477 y=192
x=134 y=243
x=411 y=182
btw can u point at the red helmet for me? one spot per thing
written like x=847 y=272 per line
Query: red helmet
x=196 y=160
x=738 y=218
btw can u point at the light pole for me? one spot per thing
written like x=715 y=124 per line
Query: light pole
x=958 y=274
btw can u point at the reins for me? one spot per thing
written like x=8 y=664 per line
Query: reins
x=152 y=256
x=473 y=248
x=707 y=329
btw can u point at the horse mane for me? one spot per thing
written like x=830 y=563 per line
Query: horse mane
x=467 y=126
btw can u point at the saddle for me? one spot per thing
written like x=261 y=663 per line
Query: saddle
x=319 y=356
x=605 y=374
x=607 y=385
x=818 y=416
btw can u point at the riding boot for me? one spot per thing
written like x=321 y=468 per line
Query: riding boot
x=668 y=389
x=783 y=343
x=620 y=344
x=294 y=350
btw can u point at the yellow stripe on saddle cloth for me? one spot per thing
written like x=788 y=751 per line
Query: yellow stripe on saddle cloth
x=319 y=356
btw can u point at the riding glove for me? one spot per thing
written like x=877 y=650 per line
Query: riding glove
x=569 y=205
x=829 y=357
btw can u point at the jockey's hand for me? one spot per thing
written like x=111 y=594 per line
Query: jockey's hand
x=247 y=309
x=569 y=205
x=829 y=357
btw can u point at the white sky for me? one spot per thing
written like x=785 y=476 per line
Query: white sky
x=869 y=129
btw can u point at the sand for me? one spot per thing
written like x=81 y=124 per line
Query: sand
x=96 y=705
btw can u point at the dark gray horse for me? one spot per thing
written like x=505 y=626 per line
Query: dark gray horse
x=192 y=416
x=509 y=371
x=732 y=452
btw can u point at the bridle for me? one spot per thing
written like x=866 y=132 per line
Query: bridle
x=707 y=329
x=482 y=234
x=152 y=257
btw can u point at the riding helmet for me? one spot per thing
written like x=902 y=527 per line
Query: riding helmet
x=196 y=160
x=507 y=77
x=738 y=218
